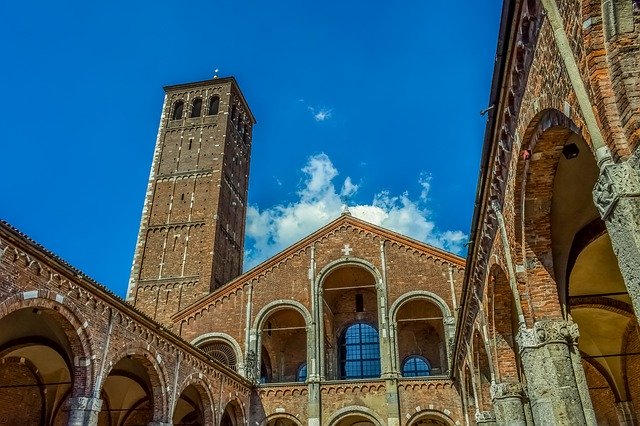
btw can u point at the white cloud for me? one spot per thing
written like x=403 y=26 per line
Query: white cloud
x=321 y=114
x=273 y=229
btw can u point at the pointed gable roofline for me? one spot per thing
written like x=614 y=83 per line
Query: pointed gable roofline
x=343 y=220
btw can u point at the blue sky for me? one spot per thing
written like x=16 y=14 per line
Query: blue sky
x=356 y=102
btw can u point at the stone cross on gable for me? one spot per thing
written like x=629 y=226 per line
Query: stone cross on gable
x=347 y=250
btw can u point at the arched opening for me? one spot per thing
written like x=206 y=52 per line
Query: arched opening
x=420 y=333
x=570 y=259
x=503 y=326
x=193 y=407
x=178 y=109
x=482 y=373
x=357 y=418
x=214 y=105
x=221 y=351
x=282 y=420
x=301 y=376
x=430 y=418
x=196 y=108
x=416 y=366
x=350 y=313
x=284 y=341
x=36 y=367
x=232 y=415
x=128 y=393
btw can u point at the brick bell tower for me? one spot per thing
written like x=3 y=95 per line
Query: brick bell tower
x=191 y=234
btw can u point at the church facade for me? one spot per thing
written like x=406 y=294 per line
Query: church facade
x=356 y=324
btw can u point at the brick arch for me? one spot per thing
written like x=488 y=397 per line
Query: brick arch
x=201 y=384
x=501 y=321
x=237 y=408
x=72 y=323
x=600 y=77
x=153 y=367
x=278 y=416
x=278 y=305
x=419 y=294
x=431 y=414
x=351 y=261
x=225 y=338
x=355 y=410
x=534 y=182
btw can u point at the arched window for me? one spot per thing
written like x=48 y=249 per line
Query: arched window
x=359 y=352
x=196 y=108
x=301 y=376
x=416 y=366
x=177 y=110
x=214 y=104
x=221 y=352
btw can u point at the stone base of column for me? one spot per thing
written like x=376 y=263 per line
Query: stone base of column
x=485 y=418
x=84 y=411
x=508 y=403
x=548 y=352
x=160 y=424
x=626 y=413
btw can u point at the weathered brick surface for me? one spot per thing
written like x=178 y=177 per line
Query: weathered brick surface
x=95 y=330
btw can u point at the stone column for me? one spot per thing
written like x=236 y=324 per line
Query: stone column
x=84 y=411
x=313 y=407
x=160 y=424
x=626 y=413
x=617 y=197
x=485 y=418
x=508 y=403
x=548 y=352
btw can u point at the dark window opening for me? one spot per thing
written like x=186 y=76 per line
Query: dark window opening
x=416 y=366
x=234 y=113
x=190 y=142
x=214 y=105
x=359 y=303
x=196 y=108
x=301 y=376
x=182 y=197
x=178 y=107
x=359 y=352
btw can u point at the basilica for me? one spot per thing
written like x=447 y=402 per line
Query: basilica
x=357 y=325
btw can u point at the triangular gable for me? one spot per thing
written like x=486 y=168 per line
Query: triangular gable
x=344 y=219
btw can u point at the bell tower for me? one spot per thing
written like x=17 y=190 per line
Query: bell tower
x=193 y=221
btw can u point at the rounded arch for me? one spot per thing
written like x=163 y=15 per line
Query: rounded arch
x=430 y=417
x=71 y=322
x=226 y=338
x=351 y=261
x=203 y=390
x=154 y=370
x=418 y=294
x=357 y=410
x=277 y=305
x=279 y=416
x=233 y=414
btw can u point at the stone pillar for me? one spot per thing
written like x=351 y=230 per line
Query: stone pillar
x=313 y=408
x=548 y=352
x=160 y=424
x=617 y=197
x=393 y=402
x=84 y=411
x=508 y=403
x=485 y=418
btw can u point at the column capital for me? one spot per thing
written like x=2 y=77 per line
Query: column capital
x=507 y=390
x=85 y=403
x=544 y=332
x=485 y=417
x=616 y=180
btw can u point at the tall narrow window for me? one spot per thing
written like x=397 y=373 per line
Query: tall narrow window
x=178 y=107
x=214 y=104
x=359 y=352
x=234 y=113
x=359 y=303
x=196 y=108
